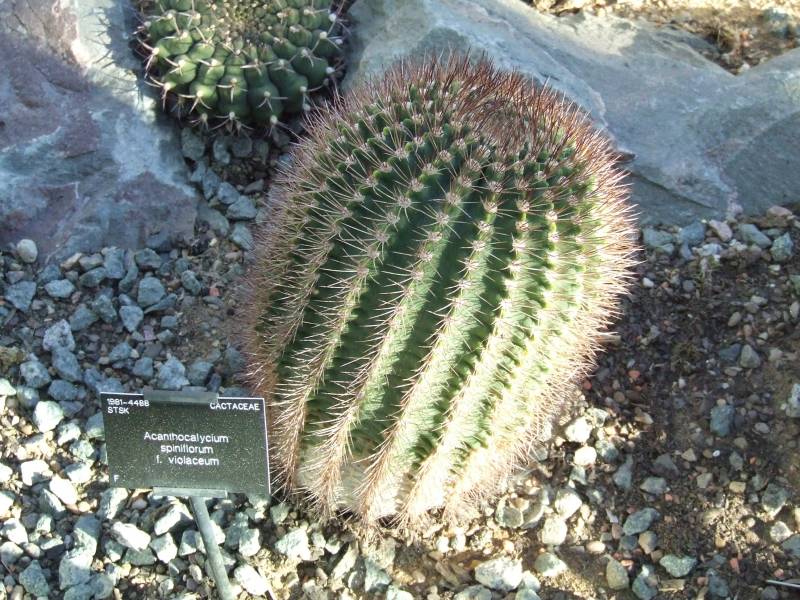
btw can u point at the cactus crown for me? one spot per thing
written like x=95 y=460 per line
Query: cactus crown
x=238 y=62
x=439 y=259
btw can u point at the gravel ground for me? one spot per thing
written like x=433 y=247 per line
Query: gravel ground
x=675 y=476
x=741 y=33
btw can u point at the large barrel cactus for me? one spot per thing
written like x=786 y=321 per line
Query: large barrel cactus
x=440 y=258
x=240 y=62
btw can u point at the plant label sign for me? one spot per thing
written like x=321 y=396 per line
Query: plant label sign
x=186 y=440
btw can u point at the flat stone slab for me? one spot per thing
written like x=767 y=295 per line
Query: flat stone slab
x=86 y=158
x=702 y=141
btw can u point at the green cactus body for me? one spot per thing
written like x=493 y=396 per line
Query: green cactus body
x=437 y=265
x=244 y=63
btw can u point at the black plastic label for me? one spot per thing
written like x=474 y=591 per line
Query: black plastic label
x=188 y=440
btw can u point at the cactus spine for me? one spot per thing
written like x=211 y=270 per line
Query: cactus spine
x=237 y=62
x=439 y=260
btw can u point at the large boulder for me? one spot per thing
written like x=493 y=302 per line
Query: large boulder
x=86 y=158
x=701 y=141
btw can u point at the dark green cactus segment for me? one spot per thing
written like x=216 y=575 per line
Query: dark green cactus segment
x=442 y=256
x=247 y=63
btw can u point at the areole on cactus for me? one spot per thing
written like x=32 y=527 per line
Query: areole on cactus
x=440 y=257
x=238 y=62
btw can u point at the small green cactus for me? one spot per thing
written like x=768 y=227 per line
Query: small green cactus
x=240 y=63
x=440 y=258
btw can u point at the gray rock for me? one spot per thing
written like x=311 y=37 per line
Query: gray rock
x=192 y=145
x=665 y=466
x=658 y=240
x=242 y=237
x=782 y=248
x=93 y=278
x=75 y=567
x=199 y=371
x=47 y=415
x=722 y=419
x=191 y=542
x=508 y=516
x=227 y=194
x=130 y=536
x=114 y=263
x=792 y=546
x=34 y=581
x=164 y=547
x=294 y=544
x=250 y=543
x=717 y=585
x=616 y=575
x=549 y=565
x=126 y=283
x=140 y=558
x=176 y=516
x=554 y=531
x=752 y=235
x=774 y=499
x=654 y=485
x=83 y=591
x=623 y=477
x=34 y=471
x=86 y=150
x=10 y=552
x=692 y=234
x=501 y=574
x=66 y=365
x=34 y=373
x=151 y=290
x=394 y=593
x=21 y=294
x=64 y=490
x=111 y=502
x=678 y=566
x=27 y=396
x=242 y=210
x=27 y=251
x=474 y=592
x=644 y=586
x=252 y=581
x=147 y=258
x=121 y=351
x=62 y=391
x=81 y=319
x=793 y=402
x=749 y=358
x=578 y=431
x=190 y=283
x=59 y=289
x=731 y=353
x=210 y=183
x=94 y=427
x=132 y=317
x=103 y=306
x=58 y=336
x=171 y=375
x=214 y=219
x=375 y=578
x=640 y=521
x=143 y=368
x=724 y=130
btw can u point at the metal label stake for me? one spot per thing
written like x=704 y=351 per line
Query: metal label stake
x=194 y=445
